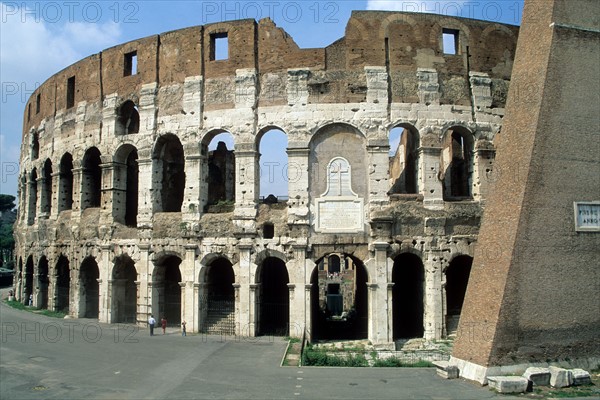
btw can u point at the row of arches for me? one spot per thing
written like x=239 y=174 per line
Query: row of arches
x=455 y=170
x=217 y=294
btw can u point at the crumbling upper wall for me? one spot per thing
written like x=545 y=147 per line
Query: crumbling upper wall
x=401 y=42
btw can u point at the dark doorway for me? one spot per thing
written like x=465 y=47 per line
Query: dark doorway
x=28 y=280
x=273 y=298
x=217 y=303
x=46 y=199
x=407 y=294
x=91 y=179
x=63 y=285
x=124 y=291
x=339 y=299
x=167 y=278
x=42 y=283
x=131 y=202
x=89 y=291
x=65 y=186
x=169 y=173
x=457 y=278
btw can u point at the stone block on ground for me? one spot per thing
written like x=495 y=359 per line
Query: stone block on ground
x=508 y=384
x=538 y=376
x=581 y=377
x=560 y=377
x=445 y=370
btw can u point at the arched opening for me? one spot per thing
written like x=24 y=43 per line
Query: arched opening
x=124 y=291
x=35 y=146
x=339 y=302
x=46 y=199
x=457 y=163
x=168 y=164
x=32 y=204
x=28 y=276
x=217 y=302
x=128 y=119
x=220 y=169
x=273 y=164
x=457 y=278
x=131 y=200
x=42 y=283
x=65 y=186
x=166 y=291
x=91 y=179
x=408 y=276
x=273 y=298
x=404 y=159
x=126 y=185
x=63 y=285
x=89 y=291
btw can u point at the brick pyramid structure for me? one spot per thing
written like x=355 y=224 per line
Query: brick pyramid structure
x=534 y=290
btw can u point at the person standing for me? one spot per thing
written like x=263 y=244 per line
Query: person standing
x=183 y=332
x=163 y=323
x=151 y=323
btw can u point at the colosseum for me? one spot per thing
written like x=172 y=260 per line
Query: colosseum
x=130 y=204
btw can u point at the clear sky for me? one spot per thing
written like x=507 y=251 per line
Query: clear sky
x=38 y=39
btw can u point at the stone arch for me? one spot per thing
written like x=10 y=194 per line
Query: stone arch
x=91 y=179
x=271 y=146
x=42 y=283
x=272 y=297
x=408 y=276
x=62 y=291
x=166 y=288
x=46 y=197
x=404 y=159
x=456 y=164
x=217 y=297
x=128 y=119
x=168 y=173
x=126 y=183
x=394 y=18
x=356 y=30
x=32 y=194
x=65 y=185
x=338 y=140
x=339 y=301
x=123 y=290
x=450 y=23
x=218 y=166
x=457 y=279
x=266 y=253
x=89 y=288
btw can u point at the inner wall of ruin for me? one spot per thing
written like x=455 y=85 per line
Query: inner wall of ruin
x=117 y=217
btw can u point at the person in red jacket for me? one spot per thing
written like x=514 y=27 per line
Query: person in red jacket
x=163 y=322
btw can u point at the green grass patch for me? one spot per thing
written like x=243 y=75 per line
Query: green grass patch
x=292 y=340
x=320 y=358
x=17 y=305
x=396 y=362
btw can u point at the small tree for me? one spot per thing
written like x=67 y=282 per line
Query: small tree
x=7 y=241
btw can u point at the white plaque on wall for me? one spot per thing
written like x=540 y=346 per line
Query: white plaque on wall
x=339 y=209
x=587 y=216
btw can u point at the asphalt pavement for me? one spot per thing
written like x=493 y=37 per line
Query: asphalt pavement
x=50 y=358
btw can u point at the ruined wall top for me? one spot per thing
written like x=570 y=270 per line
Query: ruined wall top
x=402 y=42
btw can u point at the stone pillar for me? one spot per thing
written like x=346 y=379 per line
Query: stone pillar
x=111 y=199
x=428 y=87
x=308 y=310
x=109 y=303
x=372 y=328
x=143 y=268
x=76 y=213
x=145 y=202
x=191 y=208
x=297 y=272
x=297 y=86
x=55 y=193
x=193 y=325
x=42 y=195
x=245 y=306
x=481 y=89
x=378 y=150
x=430 y=185
x=484 y=170
x=147 y=109
x=379 y=294
x=253 y=313
x=377 y=85
x=433 y=317
x=246 y=187
x=293 y=326
x=390 y=312
x=104 y=287
x=188 y=275
x=298 y=202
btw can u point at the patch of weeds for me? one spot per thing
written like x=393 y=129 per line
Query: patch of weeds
x=322 y=359
x=398 y=363
x=292 y=340
x=17 y=305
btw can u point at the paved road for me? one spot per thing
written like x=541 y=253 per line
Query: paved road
x=48 y=358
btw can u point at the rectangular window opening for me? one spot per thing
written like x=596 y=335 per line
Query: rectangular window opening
x=130 y=64
x=71 y=92
x=450 y=41
x=219 y=46
x=38 y=100
x=28 y=112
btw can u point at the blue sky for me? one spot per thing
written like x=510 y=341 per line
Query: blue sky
x=38 y=39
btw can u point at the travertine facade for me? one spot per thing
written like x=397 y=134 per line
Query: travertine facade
x=116 y=180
